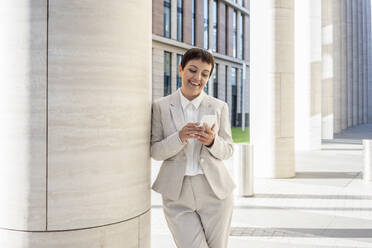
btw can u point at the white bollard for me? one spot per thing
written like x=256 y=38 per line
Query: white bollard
x=367 y=154
x=246 y=162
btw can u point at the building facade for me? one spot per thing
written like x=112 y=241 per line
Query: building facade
x=220 y=26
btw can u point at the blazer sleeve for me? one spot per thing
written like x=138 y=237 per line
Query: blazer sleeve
x=223 y=145
x=162 y=148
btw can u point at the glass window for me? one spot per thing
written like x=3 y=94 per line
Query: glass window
x=179 y=19
x=179 y=80
x=167 y=73
x=215 y=25
x=226 y=70
x=167 y=18
x=233 y=96
x=206 y=21
x=215 y=81
x=241 y=89
x=241 y=46
x=234 y=33
x=193 y=23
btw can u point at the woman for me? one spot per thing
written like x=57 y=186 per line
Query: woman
x=195 y=185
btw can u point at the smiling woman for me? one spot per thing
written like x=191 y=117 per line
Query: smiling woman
x=193 y=173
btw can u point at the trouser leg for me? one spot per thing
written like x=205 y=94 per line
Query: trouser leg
x=215 y=213
x=183 y=222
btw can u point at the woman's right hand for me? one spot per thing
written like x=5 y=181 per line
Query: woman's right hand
x=190 y=130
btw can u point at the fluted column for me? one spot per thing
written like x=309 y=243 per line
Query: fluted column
x=365 y=62
x=340 y=92
x=272 y=102
x=350 y=72
x=355 y=37
x=75 y=100
x=308 y=78
x=360 y=62
x=369 y=63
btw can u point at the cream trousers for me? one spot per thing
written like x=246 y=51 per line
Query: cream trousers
x=198 y=219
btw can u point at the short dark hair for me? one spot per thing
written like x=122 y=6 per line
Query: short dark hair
x=198 y=53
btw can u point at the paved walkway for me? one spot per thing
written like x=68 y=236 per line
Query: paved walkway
x=326 y=205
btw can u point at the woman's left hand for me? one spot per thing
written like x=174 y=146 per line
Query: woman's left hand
x=206 y=137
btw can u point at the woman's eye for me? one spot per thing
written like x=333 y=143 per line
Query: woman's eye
x=205 y=75
x=193 y=71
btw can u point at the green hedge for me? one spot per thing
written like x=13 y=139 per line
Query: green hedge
x=239 y=136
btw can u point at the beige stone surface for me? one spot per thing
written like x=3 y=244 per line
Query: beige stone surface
x=119 y=235
x=99 y=112
x=23 y=114
x=144 y=230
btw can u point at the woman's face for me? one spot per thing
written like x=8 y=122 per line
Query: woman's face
x=194 y=77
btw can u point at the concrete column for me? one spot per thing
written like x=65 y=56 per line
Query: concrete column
x=355 y=63
x=157 y=73
x=330 y=22
x=210 y=27
x=187 y=22
x=173 y=19
x=222 y=82
x=308 y=71
x=369 y=62
x=174 y=69
x=229 y=89
x=340 y=90
x=365 y=63
x=360 y=62
x=75 y=99
x=272 y=102
x=222 y=22
x=350 y=67
x=238 y=84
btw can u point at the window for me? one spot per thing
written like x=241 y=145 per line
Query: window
x=234 y=34
x=167 y=18
x=179 y=19
x=241 y=89
x=215 y=25
x=206 y=24
x=215 y=81
x=234 y=96
x=193 y=22
x=241 y=46
x=167 y=73
x=226 y=71
x=179 y=80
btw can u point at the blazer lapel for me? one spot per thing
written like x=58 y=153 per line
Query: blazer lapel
x=177 y=111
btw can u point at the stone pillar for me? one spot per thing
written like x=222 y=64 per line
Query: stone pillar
x=330 y=69
x=365 y=62
x=308 y=74
x=272 y=102
x=350 y=58
x=174 y=69
x=369 y=62
x=75 y=100
x=355 y=63
x=173 y=19
x=360 y=62
x=341 y=92
x=222 y=82
x=229 y=89
x=210 y=26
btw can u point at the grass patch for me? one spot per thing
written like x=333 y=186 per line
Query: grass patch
x=239 y=136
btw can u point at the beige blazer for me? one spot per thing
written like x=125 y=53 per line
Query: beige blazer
x=167 y=120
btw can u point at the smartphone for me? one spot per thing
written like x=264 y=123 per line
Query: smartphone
x=208 y=119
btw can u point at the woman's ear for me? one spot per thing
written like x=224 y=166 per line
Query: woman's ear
x=180 y=69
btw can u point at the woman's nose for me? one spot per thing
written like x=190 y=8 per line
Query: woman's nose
x=198 y=76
